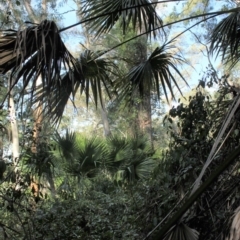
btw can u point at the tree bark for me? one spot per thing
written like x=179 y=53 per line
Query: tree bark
x=106 y=126
x=14 y=128
x=14 y=136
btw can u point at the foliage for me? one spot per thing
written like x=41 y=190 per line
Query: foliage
x=105 y=188
x=96 y=216
x=124 y=159
x=94 y=203
x=192 y=140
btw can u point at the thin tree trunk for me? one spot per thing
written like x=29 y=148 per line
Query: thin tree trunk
x=37 y=128
x=145 y=117
x=50 y=181
x=106 y=126
x=37 y=116
x=14 y=130
x=14 y=136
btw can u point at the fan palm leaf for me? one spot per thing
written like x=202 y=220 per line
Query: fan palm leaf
x=145 y=168
x=140 y=14
x=129 y=159
x=134 y=169
x=40 y=162
x=82 y=156
x=65 y=144
x=158 y=70
x=181 y=232
x=35 y=51
x=225 y=38
x=235 y=227
x=98 y=75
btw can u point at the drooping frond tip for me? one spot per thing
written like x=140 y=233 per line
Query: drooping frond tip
x=35 y=51
x=95 y=77
x=225 y=39
x=141 y=15
x=37 y=59
x=157 y=71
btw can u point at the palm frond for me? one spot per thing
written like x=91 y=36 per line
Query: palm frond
x=136 y=169
x=117 y=153
x=235 y=227
x=129 y=159
x=88 y=158
x=35 y=51
x=65 y=144
x=181 y=232
x=158 y=70
x=145 y=168
x=41 y=162
x=82 y=156
x=227 y=161
x=225 y=38
x=139 y=14
x=97 y=75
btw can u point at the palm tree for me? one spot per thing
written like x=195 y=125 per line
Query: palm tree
x=82 y=156
x=129 y=159
x=125 y=160
x=39 y=50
